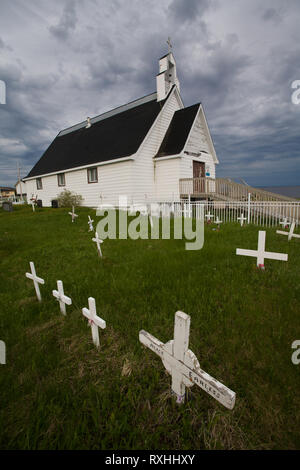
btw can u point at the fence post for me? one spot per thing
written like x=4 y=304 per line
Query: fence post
x=249 y=201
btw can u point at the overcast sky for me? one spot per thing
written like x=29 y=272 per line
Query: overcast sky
x=64 y=60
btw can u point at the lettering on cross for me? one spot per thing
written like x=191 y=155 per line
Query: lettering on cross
x=182 y=364
x=36 y=280
x=61 y=297
x=260 y=253
x=94 y=320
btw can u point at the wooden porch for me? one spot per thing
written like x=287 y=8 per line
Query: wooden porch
x=224 y=190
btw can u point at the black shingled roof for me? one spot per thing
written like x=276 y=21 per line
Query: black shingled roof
x=114 y=137
x=178 y=131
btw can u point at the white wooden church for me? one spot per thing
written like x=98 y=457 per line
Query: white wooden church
x=140 y=150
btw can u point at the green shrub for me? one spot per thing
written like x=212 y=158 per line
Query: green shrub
x=68 y=199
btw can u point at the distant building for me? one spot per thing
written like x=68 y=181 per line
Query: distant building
x=140 y=150
x=20 y=188
x=6 y=191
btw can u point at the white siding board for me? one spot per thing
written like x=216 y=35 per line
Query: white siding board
x=145 y=187
x=113 y=180
x=167 y=179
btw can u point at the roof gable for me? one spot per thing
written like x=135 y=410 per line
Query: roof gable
x=200 y=136
x=117 y=136
x=178 y=131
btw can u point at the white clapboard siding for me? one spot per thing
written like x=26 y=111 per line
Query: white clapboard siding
x=113 y=179
x=145 y=172
x=199 y=138
x=167 y=179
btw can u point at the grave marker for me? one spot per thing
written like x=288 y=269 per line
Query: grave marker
x=209 y=216
x=61 y=297
x=218 y=222
x=260 y=253
x=285 y=223
x=73 y=214
x=291 y=233
x=98 y=241
x=183 y=365
x=95 y=321
x=242 y=218
x=36 y=280
x=33 y=202
x=90 y=223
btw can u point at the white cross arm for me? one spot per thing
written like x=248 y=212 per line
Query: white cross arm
x=267 y=254
x=62 y=298
x=295 y=235
x=35 y=278
x=194 y=375
x=94 y=318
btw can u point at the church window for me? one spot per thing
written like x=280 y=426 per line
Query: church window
x=92 y=175
x=61 y=179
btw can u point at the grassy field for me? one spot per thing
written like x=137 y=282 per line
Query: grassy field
x=59 y=392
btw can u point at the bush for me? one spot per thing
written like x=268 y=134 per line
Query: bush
x=68 y=199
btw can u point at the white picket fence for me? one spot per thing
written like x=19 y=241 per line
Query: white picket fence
x=264 y=213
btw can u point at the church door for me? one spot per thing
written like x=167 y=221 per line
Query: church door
x=198 y=172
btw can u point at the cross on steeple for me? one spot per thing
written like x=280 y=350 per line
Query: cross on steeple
x=169 y=44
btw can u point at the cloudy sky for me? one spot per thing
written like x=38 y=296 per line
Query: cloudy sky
x=67 y=59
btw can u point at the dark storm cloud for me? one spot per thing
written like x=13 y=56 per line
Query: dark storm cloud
x=183 y=10
x=67 y=22
x=272 y=15
x=63 y=61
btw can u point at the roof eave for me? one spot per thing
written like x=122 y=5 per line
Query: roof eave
x=167 y=157
x=107 y=162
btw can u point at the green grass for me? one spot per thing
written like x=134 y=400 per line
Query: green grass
x=59 y=392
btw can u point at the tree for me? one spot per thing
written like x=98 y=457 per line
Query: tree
x=68 y=199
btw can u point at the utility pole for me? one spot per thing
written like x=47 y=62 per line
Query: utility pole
x=19 y=180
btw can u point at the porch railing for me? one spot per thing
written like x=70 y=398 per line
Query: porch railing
x=223 y=189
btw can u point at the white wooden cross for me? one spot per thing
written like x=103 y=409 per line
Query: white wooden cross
x=260 y=253
x=291 y=233
x=285 y=223
x=36 y=280
x=242 y=218
x=61 y=297
x=90 y=223
x=73 y=214
x=95 y=321
x=209 y=216
x=169 y=44
x=218 y=222
x=33 y=201
x=98 y=241
x=183 y=365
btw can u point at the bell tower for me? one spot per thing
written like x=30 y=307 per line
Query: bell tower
x=167 y=76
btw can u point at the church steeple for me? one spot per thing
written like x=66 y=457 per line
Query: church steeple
x=167 y=76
